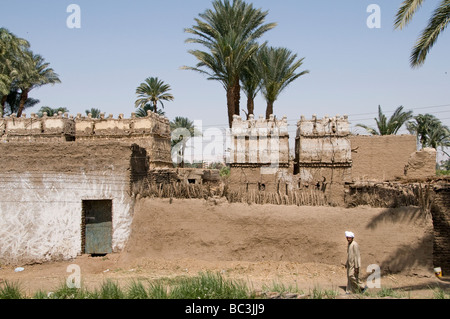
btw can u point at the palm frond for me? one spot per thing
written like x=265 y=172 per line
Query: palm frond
x=389 y=126
x=153 y=90
x=278 y=67
x=437 y=23
x=406 y=12
x=369 y=129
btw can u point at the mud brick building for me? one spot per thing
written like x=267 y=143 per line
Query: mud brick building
x=67 y=183
x=259 y=156
x=323 y=156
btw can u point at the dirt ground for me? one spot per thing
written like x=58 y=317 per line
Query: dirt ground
x=302 y=247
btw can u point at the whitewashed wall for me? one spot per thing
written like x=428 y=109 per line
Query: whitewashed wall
x=40 y=213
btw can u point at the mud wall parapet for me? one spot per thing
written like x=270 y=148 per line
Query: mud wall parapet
x=65 y=126
x=151 y=132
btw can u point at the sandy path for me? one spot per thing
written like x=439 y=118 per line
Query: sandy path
x=300 y=247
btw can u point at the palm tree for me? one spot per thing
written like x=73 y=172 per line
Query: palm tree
x=251 y=83
x=95 y=113
x=51 y=111
x=436 y=24
x=34 y=73
x=12 y=55
x=278 y=67
x=182 y=130
x=229 y=33
x=430 y=131
x=13 y=102
x=143 y=111
x=152 y=91
x=391 y=126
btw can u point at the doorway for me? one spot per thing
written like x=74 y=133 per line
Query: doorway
x=97 y=227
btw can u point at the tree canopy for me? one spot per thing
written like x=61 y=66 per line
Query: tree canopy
x=389 y=126
x=229 y=33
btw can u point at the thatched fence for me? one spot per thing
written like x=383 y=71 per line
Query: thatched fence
x=183 y=190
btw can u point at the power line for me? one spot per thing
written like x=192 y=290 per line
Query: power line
x=226 y=126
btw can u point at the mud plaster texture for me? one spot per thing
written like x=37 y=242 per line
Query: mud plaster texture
x=381 y=158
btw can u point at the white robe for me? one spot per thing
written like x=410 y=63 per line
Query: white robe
x=353 y=262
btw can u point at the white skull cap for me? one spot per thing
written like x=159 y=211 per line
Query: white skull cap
x=349 y=234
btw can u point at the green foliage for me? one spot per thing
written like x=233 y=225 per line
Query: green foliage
x=12 y=102
x=319 y=293
x=10 y=290
x=436 y=24
x=278 y=69
x=51 y=111
x=21 y=69
x=209 y=286
x=152 y=91
x=430 y=131
x=182 y=129
x=143 y=111
x=203 y=286
x=157 y=290
x=228 y=33
x=390 y=292
x=391 y=126
x=439 y=293
x=225 y=172
x=95 y=113
x=445 y=165
x=282 y=288
x=111 y=290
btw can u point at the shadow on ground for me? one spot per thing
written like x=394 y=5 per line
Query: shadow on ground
x=412 y=256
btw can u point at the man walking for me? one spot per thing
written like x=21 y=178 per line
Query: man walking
x=353 y=265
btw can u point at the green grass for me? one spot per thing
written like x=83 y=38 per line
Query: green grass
x=206 y=285
x=10 y=290
x=203 y=286
x=319 y=293
x=439 y=293
x=282 y=288
x=386 y=292
x=210 y=286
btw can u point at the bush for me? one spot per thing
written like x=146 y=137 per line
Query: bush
x=224 y=171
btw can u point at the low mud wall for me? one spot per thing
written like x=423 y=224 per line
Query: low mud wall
x=441 y=223
x=380 y=158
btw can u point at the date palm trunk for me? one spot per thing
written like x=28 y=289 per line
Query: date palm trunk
x=23 y=100
x=269 y=109
x=250 y=107
x=233 y=99
x=2 y=103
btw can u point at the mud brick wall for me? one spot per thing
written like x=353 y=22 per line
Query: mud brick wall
x=259 y=142
x=259 y=153
x=381 y=158
x=323 y=155
x=441 y=224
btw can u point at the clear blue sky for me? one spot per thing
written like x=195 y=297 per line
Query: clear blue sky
x=353 y=69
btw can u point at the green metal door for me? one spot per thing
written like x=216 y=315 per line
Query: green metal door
x=98 y=226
